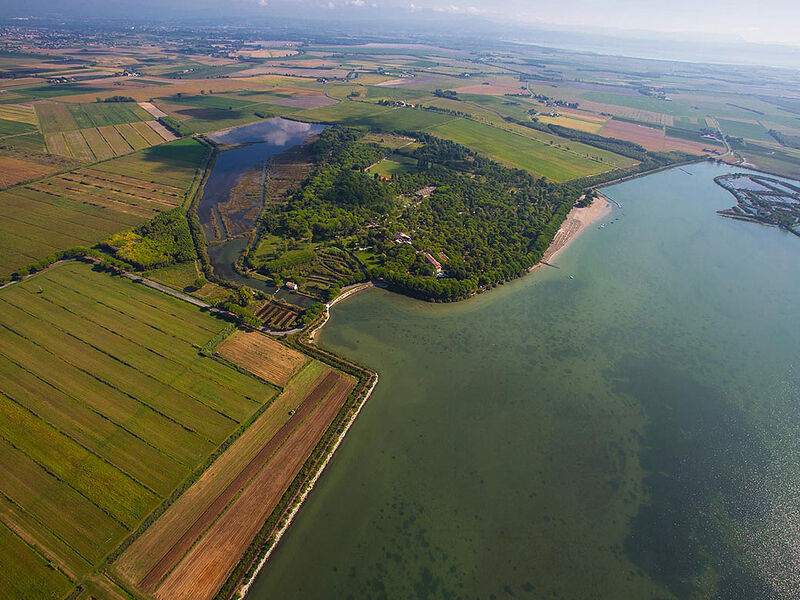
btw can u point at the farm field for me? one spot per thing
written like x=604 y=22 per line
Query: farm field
x=374 y=116
x=525 y=153
x=22 y=113
x=262 y=356
x=14 y=169
x=654 y=138
x=227 y=507
x=745 y=129
x=82 y=207
x=107 y=141
x=277 y=315
x=107 y=406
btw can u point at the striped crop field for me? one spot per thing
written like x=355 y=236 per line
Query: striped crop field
x=262 y=356
x=82 y=207
x=212 y=524
x=22 y=113
x=107 y=141
x=106 y=407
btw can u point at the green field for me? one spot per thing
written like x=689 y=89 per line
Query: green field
x=8 y=127
x=175 y=163
x=55 y=214
x=743 y=129
x=106 y=407
x=518 y=151
x=396 y=163
x=374 y=116
x=107 y=113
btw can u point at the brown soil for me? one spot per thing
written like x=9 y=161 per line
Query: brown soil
x=207 y=565
x=185 y=541
x=262 y=356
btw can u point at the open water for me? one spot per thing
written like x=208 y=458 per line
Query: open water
x=632 y=431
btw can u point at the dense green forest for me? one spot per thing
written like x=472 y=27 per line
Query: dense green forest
x=482 y=222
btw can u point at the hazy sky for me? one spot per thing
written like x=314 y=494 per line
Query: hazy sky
x=775 y=21
x=765 y=21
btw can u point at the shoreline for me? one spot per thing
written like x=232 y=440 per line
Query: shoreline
x=578 y=219
x=244 y=588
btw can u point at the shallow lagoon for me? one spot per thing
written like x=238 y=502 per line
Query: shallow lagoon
x=629 y=433
x=260 y=141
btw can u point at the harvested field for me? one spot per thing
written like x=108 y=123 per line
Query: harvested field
x=22 y=113
x=14 y=170
x=153 y=109
x=579 y=123
x=106 y=407
x=204 y=569
x=115 y=140
x=652 y=138
x=162 y=131
x=147 y=551
x=262 y=356
x=82 y=207
x=627 y=112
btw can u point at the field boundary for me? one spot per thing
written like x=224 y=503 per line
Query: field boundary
x=276 y=526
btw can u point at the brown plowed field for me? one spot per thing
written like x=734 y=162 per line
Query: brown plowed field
x=145 y=552
x=207 y=565
x=651 y=138
x=262 y=356
x=185 y=541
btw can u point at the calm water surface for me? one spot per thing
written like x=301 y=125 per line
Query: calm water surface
x=262 y=140
x=629 y=433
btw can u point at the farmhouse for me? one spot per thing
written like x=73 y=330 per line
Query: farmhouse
x=433 y=261
x=291 y=285
x=402 y=238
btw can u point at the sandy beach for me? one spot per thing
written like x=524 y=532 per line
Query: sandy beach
x=577 y=220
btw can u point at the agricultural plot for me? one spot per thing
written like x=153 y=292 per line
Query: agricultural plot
x=96 y=131
x=14 y=128
x=22 y=113
x=536 y=157
x=277 y=315
x=106 y=407
x=262 y=356
x=653 y=138
x=211 y=525
x=590 y=125
x=174 y=164
x=82 y=207
x=374 y=116
x=745 y=129
x=106 y=113
x=123 y=194
x=14 y=169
